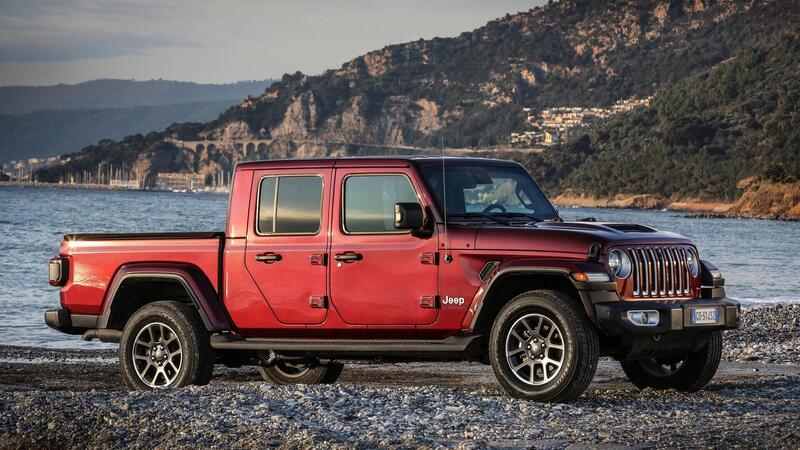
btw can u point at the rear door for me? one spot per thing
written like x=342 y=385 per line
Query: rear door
x=287 y=242
x=380 y=276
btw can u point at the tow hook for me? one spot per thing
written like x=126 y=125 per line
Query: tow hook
x=656 y=337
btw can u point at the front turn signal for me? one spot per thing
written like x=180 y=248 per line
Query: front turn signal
x=586 y=277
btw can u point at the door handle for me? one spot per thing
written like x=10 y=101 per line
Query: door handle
x=348 y=257
x=268 y=258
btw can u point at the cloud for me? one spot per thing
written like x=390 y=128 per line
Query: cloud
x=71 y=48
x=70 y=30
x=55 y=41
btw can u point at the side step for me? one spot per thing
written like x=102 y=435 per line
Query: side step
x=453 y=344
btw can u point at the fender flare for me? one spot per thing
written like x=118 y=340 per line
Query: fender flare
x=590 y=293
x=197 y=285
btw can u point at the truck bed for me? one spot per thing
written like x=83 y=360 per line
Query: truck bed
x=95 y=258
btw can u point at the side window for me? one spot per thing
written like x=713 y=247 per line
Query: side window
x=369 y=201
x=290 y=205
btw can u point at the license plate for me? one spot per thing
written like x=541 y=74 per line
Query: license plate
x=704 y=316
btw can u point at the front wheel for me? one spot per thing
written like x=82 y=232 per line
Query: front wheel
x=285 y=372
x=689 y=373
x=543 y=347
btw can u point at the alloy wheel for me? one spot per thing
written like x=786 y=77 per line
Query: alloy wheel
x=157 y=355
x=535 y=349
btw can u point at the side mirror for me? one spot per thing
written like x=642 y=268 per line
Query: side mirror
x=408 y=216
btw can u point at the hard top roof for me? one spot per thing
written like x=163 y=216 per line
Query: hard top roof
x=373 y=161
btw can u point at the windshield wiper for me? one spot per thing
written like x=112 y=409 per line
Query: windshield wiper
x=518 y=214
x=479 y=215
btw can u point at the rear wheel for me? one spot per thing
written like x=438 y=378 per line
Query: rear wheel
x=689 y=373
x=286 y=372
x=543 y=347
x=165 y=345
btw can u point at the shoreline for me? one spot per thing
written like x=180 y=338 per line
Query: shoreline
x=94 y=187
x=694 y=209
x=640 y=202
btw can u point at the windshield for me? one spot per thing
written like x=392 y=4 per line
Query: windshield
x=493 y=191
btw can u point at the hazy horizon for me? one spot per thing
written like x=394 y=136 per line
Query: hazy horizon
x=222 y=83
x=68 y=42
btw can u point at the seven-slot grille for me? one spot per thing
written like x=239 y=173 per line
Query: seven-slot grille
x=660 y=271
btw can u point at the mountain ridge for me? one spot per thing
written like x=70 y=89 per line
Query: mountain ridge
x=117 y=93
x=475 y=84
x=44 y=121
x=71 y=129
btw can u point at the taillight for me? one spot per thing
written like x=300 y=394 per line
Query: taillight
x=58 y=271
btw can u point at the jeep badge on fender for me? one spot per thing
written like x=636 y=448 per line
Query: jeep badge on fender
x=459 y=301
x=445 y=258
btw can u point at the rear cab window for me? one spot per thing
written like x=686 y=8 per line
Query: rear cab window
x=289 y=204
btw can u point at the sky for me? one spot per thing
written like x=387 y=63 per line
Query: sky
x=44 y=42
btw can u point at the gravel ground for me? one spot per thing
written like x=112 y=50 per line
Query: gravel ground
x=74 y=398
x=770 y=335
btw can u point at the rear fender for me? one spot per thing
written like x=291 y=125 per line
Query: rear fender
x=198 y=290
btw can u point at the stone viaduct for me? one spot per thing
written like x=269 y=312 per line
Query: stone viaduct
x=247 y=147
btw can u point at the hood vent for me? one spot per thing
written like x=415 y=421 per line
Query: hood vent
x=630 y=228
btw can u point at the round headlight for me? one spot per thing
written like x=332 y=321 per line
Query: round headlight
x=619 y=263
x=691 y=263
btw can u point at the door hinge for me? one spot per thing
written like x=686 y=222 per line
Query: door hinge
x=429 y=258
x=429 y=301
x=318 y=301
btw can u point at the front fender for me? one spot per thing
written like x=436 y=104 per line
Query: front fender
x=590 y=293
x=194 y=281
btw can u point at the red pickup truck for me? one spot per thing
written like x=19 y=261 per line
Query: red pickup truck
x=339 y=260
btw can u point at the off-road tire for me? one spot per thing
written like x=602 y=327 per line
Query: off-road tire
x=318 y=374
x=696 y=372
x=580 y=342
x=197 y=362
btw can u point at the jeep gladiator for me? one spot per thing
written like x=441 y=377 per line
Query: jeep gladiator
x=331 y=261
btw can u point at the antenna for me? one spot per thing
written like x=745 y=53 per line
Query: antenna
x=447 y=256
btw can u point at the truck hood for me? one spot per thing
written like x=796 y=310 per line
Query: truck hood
x=569 y=237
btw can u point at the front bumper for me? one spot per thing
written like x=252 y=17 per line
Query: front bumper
x=64 y=321
x=612 y=318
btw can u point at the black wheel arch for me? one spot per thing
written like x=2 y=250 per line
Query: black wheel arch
x=507 y=284
x=136 y=285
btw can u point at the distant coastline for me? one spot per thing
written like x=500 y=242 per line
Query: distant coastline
x=94 y=187
x=760 y=200
x=745 y=208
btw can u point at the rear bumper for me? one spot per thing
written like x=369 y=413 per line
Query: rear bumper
x=64 y=321
x=612 y=318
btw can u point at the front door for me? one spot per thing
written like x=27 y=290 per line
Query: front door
x=287 y=242
x=379 y=275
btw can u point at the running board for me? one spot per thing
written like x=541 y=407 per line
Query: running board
x=453 y=344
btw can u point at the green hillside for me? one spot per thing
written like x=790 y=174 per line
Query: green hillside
x=698 y=138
